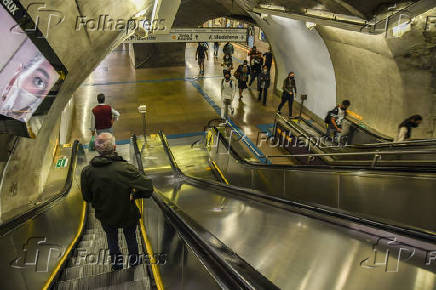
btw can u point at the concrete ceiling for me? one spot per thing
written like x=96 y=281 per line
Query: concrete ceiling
x=364 y=9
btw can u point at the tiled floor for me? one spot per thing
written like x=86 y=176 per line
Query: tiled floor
x=178 y=102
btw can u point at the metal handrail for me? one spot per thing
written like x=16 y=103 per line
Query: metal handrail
x=362 y=145
x=358 y=153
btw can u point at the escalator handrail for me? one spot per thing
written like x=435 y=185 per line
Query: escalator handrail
x=229 y=270
x=30 y=214
x=390 y=143
x=324 y=210
x=243 y=161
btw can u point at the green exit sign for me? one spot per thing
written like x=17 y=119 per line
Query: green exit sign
x=62 y=162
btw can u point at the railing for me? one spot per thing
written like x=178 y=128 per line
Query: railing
x=361 y=146
x=377 y=193
x=165 y=222
x=22 y=218
x=376 y=158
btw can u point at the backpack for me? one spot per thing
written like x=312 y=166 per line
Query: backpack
x=327 y=118
x=231 y=83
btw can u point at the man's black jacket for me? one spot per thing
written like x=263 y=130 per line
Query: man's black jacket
x=107 y=184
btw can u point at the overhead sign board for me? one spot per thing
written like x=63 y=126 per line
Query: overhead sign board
x=195 y=35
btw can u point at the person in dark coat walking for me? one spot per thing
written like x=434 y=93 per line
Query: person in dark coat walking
x=268 y=58
x=289 y=92
x=111 y=185
x=263 y=83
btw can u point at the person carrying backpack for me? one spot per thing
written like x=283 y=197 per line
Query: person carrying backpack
x=227 y=64
x=200 y=54
x=242 y=74
x=289 y=92
x=228 y=91
x=256 y=67
x=335 y=118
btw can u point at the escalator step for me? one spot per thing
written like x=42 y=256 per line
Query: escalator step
x=132 y=278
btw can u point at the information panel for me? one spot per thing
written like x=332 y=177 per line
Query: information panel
x=195 y=35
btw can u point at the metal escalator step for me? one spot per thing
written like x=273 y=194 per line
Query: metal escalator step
x=78 y=272
x=135 y=285
x=136 y=276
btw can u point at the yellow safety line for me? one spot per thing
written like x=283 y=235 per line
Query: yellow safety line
x=154 y=266
x=220 y=172
x=67 y=252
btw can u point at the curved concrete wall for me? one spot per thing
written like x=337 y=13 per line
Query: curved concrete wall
x=80 y=51
x=386 y=79
x=298 y=49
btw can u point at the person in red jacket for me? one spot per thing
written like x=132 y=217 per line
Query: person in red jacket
x=103 y=117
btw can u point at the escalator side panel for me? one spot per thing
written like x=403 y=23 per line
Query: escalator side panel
x=405 y=200
x=182 y=269
x=401 y=198
x=20 y=247
x=315 y=187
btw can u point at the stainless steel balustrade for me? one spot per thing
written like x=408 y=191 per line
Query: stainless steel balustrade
x=314 y=146
x=403 y=198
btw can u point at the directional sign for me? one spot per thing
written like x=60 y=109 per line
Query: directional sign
x=195 y=35
x=62 y=162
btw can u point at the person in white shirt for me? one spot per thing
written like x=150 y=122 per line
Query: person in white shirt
x=228 y=91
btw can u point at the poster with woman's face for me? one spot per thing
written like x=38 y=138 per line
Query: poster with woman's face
x=26 y=77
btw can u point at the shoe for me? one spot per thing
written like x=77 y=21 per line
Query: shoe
x=278 y=112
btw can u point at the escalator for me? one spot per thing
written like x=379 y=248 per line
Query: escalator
x=360 y=147
x=61 y=245
x=397 y=195
x=293 y=245
x=202 y=234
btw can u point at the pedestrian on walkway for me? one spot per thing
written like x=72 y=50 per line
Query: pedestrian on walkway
x=200 y=55
x=216 y=47
x=252 y=53
x=103 y=117
x=263 y=83
x=242 y=74
x=405 y=128
x=289 y=92
x=255 y=68
x=227 y=64
x=228 y=49
x=111 y=185
x=268 y=58
x=228 y=91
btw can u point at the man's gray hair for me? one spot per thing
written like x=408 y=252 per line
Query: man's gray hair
x=105 y=143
